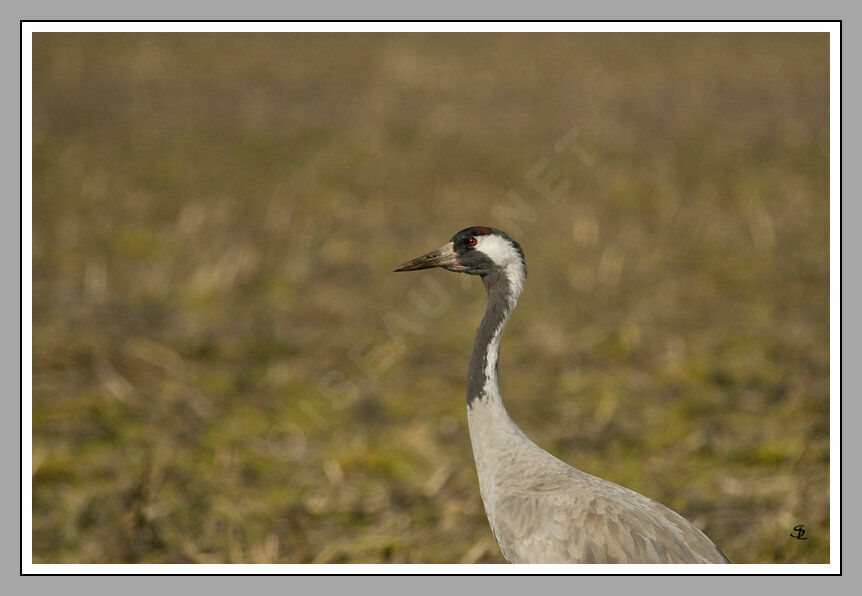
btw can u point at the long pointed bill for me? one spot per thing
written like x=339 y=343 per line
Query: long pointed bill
x=445 y=256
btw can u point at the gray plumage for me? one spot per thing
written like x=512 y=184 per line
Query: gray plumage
x=540 y=509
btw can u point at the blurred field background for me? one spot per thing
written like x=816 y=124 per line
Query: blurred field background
x=225 y=368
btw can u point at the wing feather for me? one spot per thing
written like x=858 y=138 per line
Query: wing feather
x=594 y=521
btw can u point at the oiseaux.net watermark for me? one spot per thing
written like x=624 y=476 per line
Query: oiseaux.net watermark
x=425 y=304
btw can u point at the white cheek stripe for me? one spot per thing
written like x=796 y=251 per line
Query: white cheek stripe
x=498 y=249
x=505 y=256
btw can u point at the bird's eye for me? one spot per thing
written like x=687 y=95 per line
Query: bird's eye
x=472 y=242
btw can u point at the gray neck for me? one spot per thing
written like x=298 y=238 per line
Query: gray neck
x=482 y=373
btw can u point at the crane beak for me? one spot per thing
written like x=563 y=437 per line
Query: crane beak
x=445 y=256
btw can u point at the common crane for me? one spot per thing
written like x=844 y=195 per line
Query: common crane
x=542 y=510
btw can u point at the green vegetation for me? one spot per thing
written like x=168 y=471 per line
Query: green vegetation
x=226 y=370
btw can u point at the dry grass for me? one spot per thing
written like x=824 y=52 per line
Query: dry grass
x=226 y=370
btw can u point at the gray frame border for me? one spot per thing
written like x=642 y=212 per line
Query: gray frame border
x=372 y=10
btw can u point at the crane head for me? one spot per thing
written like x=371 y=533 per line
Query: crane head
x=477 y=251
